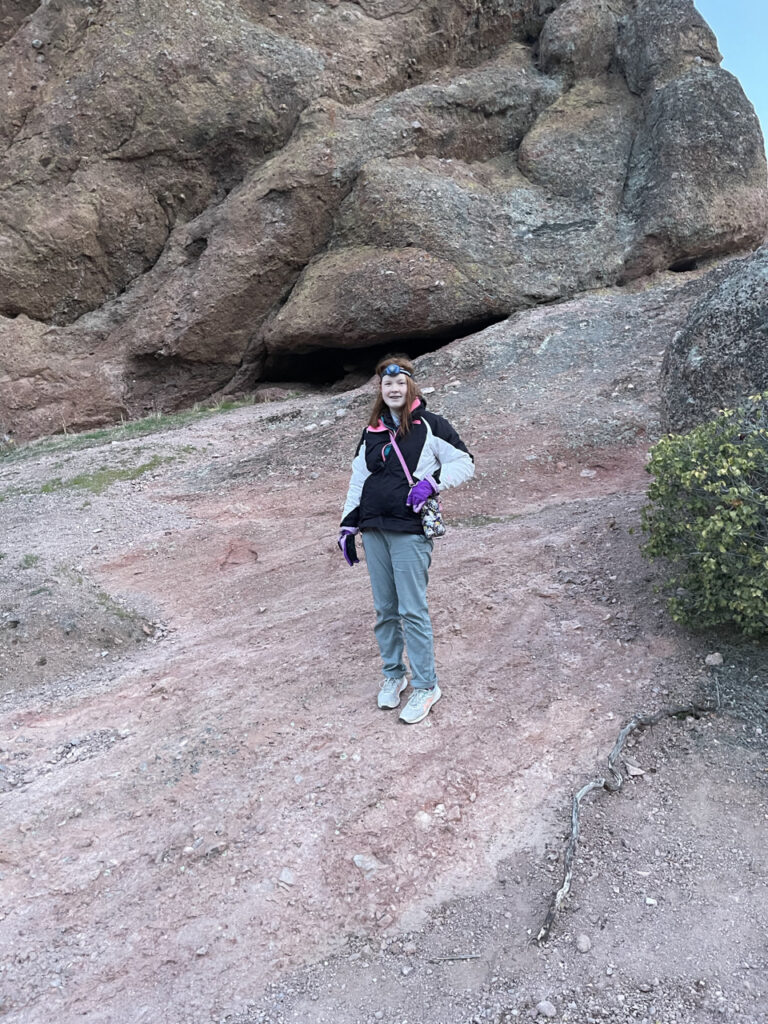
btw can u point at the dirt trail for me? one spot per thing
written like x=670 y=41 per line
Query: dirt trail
x=205 y=815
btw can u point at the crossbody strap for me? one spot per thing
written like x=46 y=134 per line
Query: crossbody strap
x=400 y=456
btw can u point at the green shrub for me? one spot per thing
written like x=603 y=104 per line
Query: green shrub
x=708 y=518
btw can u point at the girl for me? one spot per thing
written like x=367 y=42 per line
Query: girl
x=383 y=506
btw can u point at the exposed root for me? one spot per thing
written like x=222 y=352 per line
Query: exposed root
x=612 y=782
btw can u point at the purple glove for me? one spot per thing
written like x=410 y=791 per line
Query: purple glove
x=418 y=494
x=347 y=545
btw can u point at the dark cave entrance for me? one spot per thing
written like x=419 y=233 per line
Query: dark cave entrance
x=683 y=266
x=169 y=383
x=343 y=369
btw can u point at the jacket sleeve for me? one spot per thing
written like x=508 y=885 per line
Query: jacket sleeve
x=360 y=474
x=457 y=464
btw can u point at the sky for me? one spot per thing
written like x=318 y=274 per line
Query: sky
x=741 y=27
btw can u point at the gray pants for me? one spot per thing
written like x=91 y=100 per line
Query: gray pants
x=398 y=565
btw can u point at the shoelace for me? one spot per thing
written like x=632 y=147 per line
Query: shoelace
x=419 y=697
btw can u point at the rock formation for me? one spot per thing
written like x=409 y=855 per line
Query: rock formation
x=721 y=353
x=191 y=190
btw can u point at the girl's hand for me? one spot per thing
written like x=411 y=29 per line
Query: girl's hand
x=347 y=545
x=418 y=494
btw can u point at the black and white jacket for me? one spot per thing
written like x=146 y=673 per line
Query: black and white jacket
x=379 y=487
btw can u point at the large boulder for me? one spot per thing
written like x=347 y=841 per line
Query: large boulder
x=580 y=39
x=660 y=39
x=721 y=353
x=696 y=179
x=580 y=146
x=204 y=186
x=696 y=184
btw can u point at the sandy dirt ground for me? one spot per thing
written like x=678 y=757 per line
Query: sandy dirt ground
x=207 y=818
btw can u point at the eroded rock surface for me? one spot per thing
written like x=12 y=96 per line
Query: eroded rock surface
x=685 y=150
x=189 y=191
x=721 y=353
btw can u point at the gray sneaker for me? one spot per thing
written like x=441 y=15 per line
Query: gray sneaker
x=419 y=705
x=391 y=688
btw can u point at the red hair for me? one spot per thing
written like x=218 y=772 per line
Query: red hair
x=412 y=393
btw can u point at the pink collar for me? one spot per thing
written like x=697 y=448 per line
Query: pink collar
x=382 y=425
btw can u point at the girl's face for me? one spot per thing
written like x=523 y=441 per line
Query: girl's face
x=394 y=390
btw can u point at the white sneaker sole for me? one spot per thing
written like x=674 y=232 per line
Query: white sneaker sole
x=391 y=707
x=413 y=721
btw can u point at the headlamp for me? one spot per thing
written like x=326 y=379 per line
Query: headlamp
x=393 y=370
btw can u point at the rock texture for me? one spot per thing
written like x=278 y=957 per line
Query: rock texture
x=191 y=190
x=684 y=153
x=721 y=354
x=51 y=378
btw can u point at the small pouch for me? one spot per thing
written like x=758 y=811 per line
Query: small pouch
x=432 y=511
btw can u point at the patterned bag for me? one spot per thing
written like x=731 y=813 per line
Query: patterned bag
x=432 y=511
x=432 y=519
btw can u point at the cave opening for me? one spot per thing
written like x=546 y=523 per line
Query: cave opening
x=337 y=369
x=682 y=266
